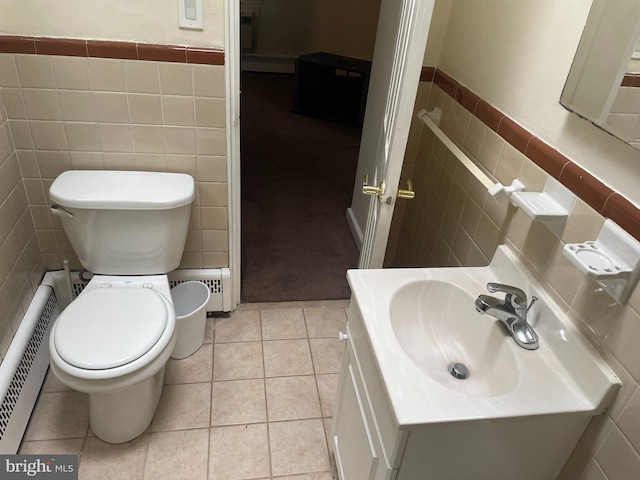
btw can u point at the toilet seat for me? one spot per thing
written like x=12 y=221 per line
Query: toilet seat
x=107 y=328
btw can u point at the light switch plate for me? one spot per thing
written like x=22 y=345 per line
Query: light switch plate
x=190 y=14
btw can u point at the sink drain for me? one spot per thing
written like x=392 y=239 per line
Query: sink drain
x=459 y=370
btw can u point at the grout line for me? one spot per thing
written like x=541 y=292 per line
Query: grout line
x=208 y=465
x=266 y=401
x=315 y=378
x=146 y=452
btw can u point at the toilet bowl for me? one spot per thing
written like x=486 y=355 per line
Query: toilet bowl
x=113 y=342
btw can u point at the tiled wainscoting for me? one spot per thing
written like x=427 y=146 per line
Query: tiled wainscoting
x=255 y=402
x=453 y=221
x=82 y=104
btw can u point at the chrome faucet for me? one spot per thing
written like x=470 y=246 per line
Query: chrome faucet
x=512 y=312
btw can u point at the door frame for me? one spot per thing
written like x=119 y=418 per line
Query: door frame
x=232 y=109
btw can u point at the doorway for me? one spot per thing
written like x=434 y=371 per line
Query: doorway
x=297 y=172
x=297 y=175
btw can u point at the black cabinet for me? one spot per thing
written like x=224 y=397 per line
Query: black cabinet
x=331 y=87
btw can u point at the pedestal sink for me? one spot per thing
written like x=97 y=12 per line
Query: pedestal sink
x=401 y=414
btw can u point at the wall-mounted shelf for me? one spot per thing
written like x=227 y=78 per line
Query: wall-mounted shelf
x=551 y=206
x=613 y=260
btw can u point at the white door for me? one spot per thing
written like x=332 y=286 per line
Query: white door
x=403 y=26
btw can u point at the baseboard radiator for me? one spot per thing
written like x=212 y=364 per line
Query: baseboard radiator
x=217 y=279
x=25 y=365
x=23 y=368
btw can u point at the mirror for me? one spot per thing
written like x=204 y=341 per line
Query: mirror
x=603 y=85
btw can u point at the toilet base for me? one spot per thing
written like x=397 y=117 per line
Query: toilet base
x=124 y=415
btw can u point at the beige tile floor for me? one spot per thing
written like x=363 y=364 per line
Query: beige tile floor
x=254 y=402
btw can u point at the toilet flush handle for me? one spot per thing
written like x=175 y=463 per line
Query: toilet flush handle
x=59 y=211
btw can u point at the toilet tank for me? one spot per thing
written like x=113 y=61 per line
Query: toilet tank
x=124 y=222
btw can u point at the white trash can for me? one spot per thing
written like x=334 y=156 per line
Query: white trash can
x=190 y=302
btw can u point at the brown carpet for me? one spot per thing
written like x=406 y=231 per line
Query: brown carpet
x=297 y=182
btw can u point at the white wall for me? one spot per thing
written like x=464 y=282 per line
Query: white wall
x=437 y=31
x=148 y=21
x=292 y=27
x=283 y=27
x=345 y=28
x=516 y=56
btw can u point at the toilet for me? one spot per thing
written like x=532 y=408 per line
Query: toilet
x=113 y=341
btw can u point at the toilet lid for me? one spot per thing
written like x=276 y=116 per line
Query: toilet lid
x=110 y=327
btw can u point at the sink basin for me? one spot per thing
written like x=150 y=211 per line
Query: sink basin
x=419 y=321
x=437 y=325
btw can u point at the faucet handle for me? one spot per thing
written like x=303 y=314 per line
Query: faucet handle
x=515 y=297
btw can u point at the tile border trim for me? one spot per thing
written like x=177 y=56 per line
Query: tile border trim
x=110 y=49
x=596 y=194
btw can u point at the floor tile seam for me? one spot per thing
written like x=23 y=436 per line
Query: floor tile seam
x=188 y=383
x=285 y=420
x=146 y=456
x=227 y=380
x=82 y=448
x=300 y=474
x=210 y=404
x=327 y=438
x=184 y=429
x=284 y=338
x=239 y=424
x=185 y=383
x=276 y=477
x=263 y=339
x=266 y=401
x=292 y=375
x=268 y=434
x=315 y=379
x=237 y=341
x=306 y=327
x=51 y=439
x=315 y=374
x=230 y=379
x=209 y=458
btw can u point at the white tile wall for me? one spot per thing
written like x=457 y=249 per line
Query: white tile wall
x=21 y=268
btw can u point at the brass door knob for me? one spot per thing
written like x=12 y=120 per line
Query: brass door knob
x=408 y=193
x=372 y=189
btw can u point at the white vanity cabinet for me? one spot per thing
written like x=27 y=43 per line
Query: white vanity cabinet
x=370 y=444
x=365 y=437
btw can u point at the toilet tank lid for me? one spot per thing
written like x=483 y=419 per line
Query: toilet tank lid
x=122 y=190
